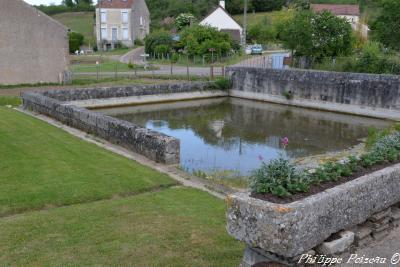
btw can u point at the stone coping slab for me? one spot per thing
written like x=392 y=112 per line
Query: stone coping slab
x=292 y=229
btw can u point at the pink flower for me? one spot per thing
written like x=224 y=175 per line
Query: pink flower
x=285 y=142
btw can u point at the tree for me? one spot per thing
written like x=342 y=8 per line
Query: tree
x=267 y=5
x=262 y=32
x=75 y=41
x=158 y=40
x=386 y=28
x=317 y=35
x=68 y=3
x=198 y=40
x=296 y=32
x=184 y=20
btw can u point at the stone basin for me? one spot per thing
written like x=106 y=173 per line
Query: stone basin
x=289 y=230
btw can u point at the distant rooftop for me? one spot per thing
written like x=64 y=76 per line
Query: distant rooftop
x=344 y=10
x=116 y=3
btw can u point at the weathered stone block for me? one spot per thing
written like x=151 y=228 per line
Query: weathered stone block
x=337 y=246
x=362 y=232
x=380 y=215
x=291 y=229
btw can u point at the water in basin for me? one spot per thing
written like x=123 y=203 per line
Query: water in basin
x=236 y=134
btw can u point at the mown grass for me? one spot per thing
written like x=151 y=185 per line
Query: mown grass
x=123 y=214
x=42 y=166
x=174 y=227
x=81 y=22
x=10 y=100
x=104 y=66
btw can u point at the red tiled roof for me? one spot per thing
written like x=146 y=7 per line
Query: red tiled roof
x=116 y=3
x=348 y=10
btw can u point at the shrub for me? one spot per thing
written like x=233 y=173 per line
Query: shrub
x=223 y=84
x=279 y=177
x=75 y=41
x=156 y=39
x=139 y=42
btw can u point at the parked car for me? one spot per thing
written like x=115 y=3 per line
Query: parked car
x=256 y=49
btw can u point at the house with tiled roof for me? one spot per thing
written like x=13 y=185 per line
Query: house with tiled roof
x=350 y=12
x=121 y=21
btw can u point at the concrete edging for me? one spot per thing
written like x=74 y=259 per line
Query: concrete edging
x=292 y=229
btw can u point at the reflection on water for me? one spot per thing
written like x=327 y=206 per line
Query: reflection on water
x=231 y=134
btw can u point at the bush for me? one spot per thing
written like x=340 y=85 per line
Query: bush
x=75 y=41
x=139 y=42
x=156 y=39
x=222 y=84
x=198 y=40
x=279 y=177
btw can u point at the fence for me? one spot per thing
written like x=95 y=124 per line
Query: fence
x=114 y=71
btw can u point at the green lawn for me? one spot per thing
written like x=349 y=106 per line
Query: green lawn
x=82 y=22
x=174 y=227
x=42 y=166
x=106 y=66
x=121 y=213
x=10 y=100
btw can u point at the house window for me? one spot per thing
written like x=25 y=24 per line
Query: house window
x=125 y=34
x=104 y=34
x=103 y=17
x=124 y=17
x=141 y=21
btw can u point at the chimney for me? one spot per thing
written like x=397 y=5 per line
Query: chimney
x=222 y=4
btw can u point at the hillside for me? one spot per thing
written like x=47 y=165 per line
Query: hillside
x=82 y=22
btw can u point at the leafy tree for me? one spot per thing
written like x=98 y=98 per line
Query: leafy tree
x=317 y=35
x=156 y=39
x=296 y=32
x=75 y=41
x=267 y=5
x=331 y=36
x=68 y=3
x=198 y=40
x=262 y=32
x=184 y=20
x=386 y=28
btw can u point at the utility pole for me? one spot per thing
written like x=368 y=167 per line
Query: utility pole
x=244 y=25
x=100 y=44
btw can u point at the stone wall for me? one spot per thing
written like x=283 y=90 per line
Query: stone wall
x=354 y=93
x=291 y=229
x=126 y=91
x=156 y=146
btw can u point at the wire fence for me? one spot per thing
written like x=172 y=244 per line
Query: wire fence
x=115 y=71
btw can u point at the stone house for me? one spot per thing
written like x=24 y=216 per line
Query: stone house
x=223 y=21
x=121 y=21
x=33 y=47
